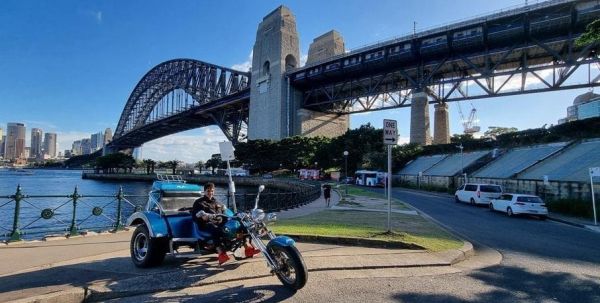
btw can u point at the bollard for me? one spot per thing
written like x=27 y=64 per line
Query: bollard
x=120 y=197
x=16 y=233
x=73 y=228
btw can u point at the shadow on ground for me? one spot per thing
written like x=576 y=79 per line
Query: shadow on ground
x=514 y=284
x=240 y=293
x=117 y=274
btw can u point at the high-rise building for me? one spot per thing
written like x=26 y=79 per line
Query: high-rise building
x=137 y=153
x=1 y=142
x=76 y=148
x=86 y=146
x=36 y=143
x=15 y=141
x=27 y=153
x=107 y=135
x=584 y=106
x=50 y=145
x=97 y=141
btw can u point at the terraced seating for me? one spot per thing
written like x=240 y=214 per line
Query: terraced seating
x=516 y=160
x=572 y=164
x=454 y=163
x=421 y=164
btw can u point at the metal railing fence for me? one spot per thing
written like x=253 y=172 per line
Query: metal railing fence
x=24 y=216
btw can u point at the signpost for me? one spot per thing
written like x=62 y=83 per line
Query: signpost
x=390 y=137
x=594 y=173
x=226 y=149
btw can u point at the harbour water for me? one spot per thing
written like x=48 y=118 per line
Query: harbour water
x=62 y=183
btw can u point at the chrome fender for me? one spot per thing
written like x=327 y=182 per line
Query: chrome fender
x=157 y=227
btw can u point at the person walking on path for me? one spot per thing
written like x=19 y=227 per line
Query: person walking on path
x=327 y=193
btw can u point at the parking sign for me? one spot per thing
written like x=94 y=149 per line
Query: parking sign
x=390 y=132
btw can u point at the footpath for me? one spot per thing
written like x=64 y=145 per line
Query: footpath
x=97 y=267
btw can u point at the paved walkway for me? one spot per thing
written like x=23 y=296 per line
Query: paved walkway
x=98 y=267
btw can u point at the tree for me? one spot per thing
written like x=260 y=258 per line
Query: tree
x=591 y=35
x=494 y=131
x=149 y=163
x=173 y=164
x=113 y=162
x=199 y=165
x=461 y=138
x=214 y=162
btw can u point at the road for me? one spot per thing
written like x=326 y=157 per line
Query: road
x=543 y=261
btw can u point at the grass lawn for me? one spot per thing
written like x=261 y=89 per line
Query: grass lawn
x=358 y=224
x=358 y=193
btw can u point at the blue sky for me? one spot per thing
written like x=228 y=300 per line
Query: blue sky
x=69 y=66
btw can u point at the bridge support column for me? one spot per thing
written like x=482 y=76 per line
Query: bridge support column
x=313 y=123
x=441 y=127
x=276 y=50
x=419 y=119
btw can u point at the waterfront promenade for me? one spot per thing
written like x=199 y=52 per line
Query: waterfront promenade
x=98 y=267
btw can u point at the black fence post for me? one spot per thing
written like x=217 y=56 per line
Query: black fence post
x=16 y=233
x=120 y=197
x=73 y=228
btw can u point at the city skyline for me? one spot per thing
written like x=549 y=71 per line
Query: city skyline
x=87 y=57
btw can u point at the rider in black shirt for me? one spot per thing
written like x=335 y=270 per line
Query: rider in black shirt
x=204 y=211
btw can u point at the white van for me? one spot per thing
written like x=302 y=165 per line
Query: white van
x=477 y=193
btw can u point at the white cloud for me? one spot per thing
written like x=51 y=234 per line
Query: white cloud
x=189 y=147
x=303 y=59
x=403 y=140
x=244 y=66
x=98 y=16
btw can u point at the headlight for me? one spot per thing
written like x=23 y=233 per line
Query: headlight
x=257 y=214
x=271 y=217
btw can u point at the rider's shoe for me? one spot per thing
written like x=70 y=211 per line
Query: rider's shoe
x=250 y=251
x=223 y=257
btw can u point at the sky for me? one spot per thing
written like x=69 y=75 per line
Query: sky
x=69 y=66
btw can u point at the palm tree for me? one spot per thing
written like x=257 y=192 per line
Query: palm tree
x=199 y=165
x=172 y=165
x=149 y=163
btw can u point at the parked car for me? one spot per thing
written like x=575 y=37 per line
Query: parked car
x=517 y=204
x=477 y=193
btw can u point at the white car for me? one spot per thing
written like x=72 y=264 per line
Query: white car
x=477 y=193
x=517 y=204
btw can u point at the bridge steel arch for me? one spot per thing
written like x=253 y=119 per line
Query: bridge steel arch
x=219 y=98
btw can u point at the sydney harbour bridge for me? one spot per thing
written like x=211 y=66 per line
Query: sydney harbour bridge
x=522 y=50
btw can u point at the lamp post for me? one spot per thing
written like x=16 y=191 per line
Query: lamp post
x=346 y=170
x=462 y=166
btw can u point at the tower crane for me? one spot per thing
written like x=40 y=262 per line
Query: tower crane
x=470 y=124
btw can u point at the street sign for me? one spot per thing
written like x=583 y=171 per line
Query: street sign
x=226 y=149
x=390 y=132
x=594 y=172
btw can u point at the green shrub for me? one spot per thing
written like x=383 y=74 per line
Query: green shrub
x=572 y=207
